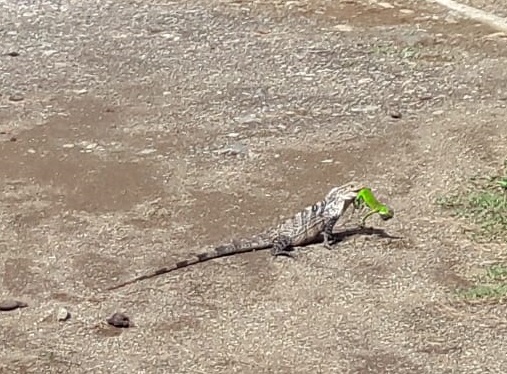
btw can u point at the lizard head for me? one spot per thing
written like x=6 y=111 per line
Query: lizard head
x=347 y=191
x=385 y=212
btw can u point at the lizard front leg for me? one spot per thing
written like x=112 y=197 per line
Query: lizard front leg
x=363 y=220
x=329 y=237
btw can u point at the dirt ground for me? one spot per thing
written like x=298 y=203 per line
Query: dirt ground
x=496 y=7
x=136 y=133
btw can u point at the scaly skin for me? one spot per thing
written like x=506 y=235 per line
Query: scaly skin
x=305 y=227
x=365 y=197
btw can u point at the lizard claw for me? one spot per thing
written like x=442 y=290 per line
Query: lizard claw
x=329 y=241
x=362 y=225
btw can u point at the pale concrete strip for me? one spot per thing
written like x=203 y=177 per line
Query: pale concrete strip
x=496 y=22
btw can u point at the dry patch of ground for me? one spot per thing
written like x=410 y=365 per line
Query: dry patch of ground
x=133 y=135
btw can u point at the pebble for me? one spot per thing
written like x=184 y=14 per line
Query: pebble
x=147 y=151
x=263 y=31
x=364 y=109
x=16 y=97
x=233 y=150
x=119 y=320
x=63 y=314
x=395 y=114
x=343 y=28
x=8 y=305
x=91 y=146
x=247 y=119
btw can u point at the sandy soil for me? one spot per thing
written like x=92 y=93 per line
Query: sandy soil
x=133 y=134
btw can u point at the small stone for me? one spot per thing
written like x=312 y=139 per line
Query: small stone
x=227 y=151
x=395 y=114
x=327 y=161
x=13 y=139
x=31 y=150
x=147 y=151
x=343 y=28
x=16 y=97
x=233 y=135
x=263 y=31
x=247 y=119
x=81 y=92
x=68 y=145
x=385 y=5
x=119 y=320
x=406 y=11
x=63 y=314
x=8 y=305
x=168 y=35
x=234 y=149
x=91 y=146
x=364 y=109
x=49 y=52
x=438 y=112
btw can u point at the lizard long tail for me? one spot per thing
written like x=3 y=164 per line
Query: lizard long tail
x=220 y=251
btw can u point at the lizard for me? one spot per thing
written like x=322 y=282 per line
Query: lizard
x=306 y=226
x=365 y=197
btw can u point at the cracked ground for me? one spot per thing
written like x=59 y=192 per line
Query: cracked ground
x=135 y=134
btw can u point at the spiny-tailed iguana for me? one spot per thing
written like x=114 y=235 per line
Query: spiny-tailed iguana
x=307 y=226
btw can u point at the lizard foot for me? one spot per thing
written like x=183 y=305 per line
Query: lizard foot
x=330 y=240
x=281 y=252
x=329 y=244
x=282 y=247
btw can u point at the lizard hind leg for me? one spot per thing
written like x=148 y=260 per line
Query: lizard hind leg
x=282 y=246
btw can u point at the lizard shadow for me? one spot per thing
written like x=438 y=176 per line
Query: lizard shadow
x=343 y=235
